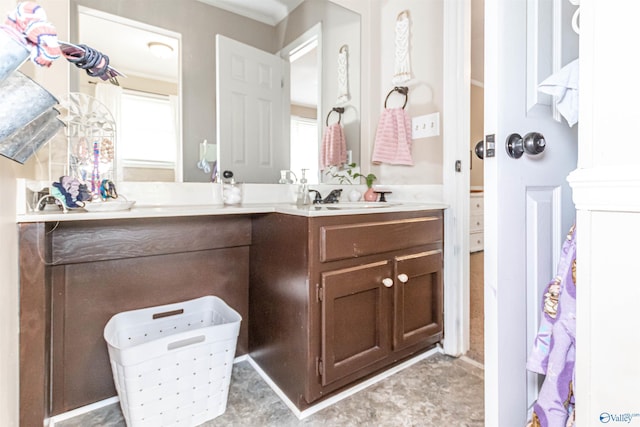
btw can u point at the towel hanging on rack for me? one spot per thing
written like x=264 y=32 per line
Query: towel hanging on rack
x=333 y=151
x=402 y=69
x=343 y=75
x=393 y=136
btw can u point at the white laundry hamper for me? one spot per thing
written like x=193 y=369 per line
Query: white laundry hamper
x=172 y=364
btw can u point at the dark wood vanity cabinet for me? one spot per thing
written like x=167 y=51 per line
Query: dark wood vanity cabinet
x=337 y=299
x=75 y=275
x=325 y=301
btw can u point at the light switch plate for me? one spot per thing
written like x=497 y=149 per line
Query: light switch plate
x=211 y=153
x=425 y=126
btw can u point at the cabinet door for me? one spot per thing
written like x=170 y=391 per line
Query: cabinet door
x=418 y=310
x=356 y=309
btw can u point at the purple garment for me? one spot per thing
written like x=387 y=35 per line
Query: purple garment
x=553 y=353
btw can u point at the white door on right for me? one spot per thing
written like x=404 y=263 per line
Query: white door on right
x=528 y=205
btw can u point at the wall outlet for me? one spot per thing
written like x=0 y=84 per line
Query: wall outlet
x=425 y=126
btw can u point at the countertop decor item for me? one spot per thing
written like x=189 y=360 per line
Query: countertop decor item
x=110 y=205
x=370 y=195
x=354 y=195
x=231 y=190
x=369 y=178
x=343 y=175
x=91 y=132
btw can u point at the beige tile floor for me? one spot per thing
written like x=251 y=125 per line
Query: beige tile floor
x=437 y=391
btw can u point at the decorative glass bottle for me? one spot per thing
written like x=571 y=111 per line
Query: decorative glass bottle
x=231 y=190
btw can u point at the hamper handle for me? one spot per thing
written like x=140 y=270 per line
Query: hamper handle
x=185 y=342
x=167 y=313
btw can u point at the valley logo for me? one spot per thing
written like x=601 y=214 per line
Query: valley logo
x=607 y=417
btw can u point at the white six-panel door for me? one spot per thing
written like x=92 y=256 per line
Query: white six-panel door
x=528 y=206
x=252 y=133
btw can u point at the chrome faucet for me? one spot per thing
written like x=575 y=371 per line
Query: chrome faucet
x=317 y=198
x=333 y=197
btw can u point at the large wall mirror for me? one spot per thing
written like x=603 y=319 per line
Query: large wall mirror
x=187 y=86
x=146 y=103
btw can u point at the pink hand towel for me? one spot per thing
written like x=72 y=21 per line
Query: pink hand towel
x=334 y=147
x=393 y=138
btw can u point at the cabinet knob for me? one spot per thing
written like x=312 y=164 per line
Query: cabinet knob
x=387 y=282
x=403 y=278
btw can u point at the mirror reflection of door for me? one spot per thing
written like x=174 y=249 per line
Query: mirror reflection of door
x=146 y=104
x=259 y=157
x=305 y=126
x=250 y=112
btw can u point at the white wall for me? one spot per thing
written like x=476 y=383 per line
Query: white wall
x=425 y=89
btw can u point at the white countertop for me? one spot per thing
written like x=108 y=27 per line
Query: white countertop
x=163 y=200
x=198 y=210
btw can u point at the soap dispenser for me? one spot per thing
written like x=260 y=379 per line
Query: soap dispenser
x=283 y=177
x=303 y=198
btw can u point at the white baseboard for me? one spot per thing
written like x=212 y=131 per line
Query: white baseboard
x=472 y=362
x=344 y=394
x=51 y=422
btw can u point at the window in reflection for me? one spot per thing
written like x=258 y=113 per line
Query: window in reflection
x=304 y=153
x=147 y=137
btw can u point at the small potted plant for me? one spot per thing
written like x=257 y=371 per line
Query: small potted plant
x=369 y=195
x=343 y=174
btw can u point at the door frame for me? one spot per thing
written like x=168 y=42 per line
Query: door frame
x=456 y=185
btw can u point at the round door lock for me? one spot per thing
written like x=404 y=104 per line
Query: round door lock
x=388 y=282
x=533 y=143
x=514 y=146
x=403 y=278
x=479 y=150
